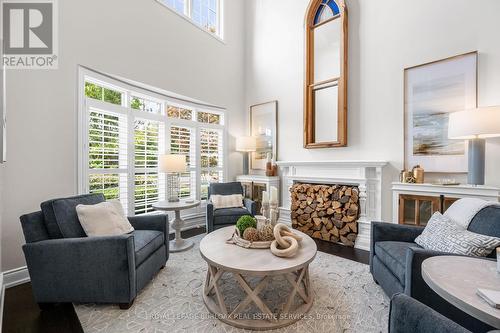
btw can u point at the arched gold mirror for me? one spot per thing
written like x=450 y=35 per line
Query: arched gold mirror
x=325 y=87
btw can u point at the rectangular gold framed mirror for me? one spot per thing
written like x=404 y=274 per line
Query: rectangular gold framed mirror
x=325 y=85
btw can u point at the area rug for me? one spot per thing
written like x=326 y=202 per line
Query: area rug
x=346 y=300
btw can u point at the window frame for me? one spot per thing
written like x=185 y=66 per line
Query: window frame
x=187 y=15
x=127 y=90
x=311 y=86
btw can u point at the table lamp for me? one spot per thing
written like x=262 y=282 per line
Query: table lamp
x=172 y=165
x=246 y=144
x=475 y=125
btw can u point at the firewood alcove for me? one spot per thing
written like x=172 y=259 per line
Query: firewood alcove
x=327 y=212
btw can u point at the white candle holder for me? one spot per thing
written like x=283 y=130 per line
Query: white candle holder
x=498 y=260
x=273 y=212
x=265 y=209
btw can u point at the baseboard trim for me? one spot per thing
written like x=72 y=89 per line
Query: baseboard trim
x=20 y=275
x=15 y=277
x=2 y=297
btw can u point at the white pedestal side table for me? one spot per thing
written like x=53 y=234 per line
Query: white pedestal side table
x=260 y=264
x=178 y=244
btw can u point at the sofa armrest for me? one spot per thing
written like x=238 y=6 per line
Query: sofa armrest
x=415 y=286
x=88 y=269
x=381 y=231
x=407 y=315
x=250 y=205
x=157 y=222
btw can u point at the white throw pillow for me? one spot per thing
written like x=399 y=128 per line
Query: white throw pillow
x=226 y=201
x=103 y=219
x=442 y=234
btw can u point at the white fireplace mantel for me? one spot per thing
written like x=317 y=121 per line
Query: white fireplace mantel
x=366 y=175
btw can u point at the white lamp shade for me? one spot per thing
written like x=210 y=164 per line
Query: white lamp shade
x=477 y=123
x=246 y=143
x=172 y=163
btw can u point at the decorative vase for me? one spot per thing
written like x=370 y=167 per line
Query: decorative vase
x=261 y=221
x=418 y=174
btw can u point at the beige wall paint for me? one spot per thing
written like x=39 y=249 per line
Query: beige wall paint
x=138 y=40
x=384 y=38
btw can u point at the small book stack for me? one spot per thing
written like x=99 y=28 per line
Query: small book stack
x=492 y=297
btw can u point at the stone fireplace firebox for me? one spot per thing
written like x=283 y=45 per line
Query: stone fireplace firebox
x=364 y=176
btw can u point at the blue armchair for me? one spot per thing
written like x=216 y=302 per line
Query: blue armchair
x=220 y=218
x=396 y=263
x=67 y=266
x=408 y=315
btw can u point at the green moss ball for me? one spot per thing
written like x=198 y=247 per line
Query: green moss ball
x=246 y=221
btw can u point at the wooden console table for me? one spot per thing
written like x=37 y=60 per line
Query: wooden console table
x=414 y=204
x=254 y=185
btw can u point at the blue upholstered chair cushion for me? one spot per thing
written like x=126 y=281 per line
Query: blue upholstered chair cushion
x=393 y=255
x=407 y=315
x=229 y=215
x=225 y=188
x=50 y=220
x=487 y=221
x=66 y=217
x=33 y=227
x=145 y=243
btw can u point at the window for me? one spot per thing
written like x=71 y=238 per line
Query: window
x=182 y=142
x=124 y=130
x=325 y=83
x=203 y=13
x=209 y=118
x=142 y=104
x=211 y=161
x=179 y=112
x=148 y=140
x=107 y=154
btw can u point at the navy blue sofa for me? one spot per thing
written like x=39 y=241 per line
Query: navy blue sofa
x=408 y=315
x=220 y=218
x=396 y=261
x=67 y=266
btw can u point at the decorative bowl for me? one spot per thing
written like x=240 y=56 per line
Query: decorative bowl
x=240 y=241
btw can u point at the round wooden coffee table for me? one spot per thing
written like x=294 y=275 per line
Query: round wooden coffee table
x=261 y=264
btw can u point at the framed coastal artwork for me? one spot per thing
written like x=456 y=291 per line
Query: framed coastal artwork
x=263 y=125
x=432 y=91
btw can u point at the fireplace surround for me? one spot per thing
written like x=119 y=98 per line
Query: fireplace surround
x=366 y=176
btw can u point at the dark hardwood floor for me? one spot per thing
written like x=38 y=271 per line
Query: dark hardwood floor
x=22 y=315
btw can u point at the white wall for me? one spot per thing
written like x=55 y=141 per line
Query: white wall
x=138 y=40
x=385 y=37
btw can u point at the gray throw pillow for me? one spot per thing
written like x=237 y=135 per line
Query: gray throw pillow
x=442 y=234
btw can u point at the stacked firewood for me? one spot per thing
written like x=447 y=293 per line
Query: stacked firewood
x=327 y=212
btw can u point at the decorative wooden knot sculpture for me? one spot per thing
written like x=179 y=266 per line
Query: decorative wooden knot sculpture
x=287 y=241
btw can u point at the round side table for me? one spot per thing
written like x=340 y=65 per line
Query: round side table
x=456 y=279
x=178 y=244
